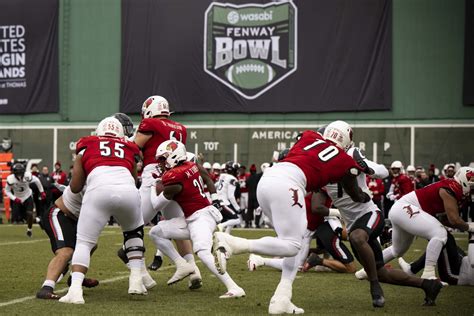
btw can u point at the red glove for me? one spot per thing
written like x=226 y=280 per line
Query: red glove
x=42 y=196
x=17 y=200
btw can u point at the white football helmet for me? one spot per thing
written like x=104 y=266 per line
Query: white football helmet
x=340 y=133
x=264 y=166
x=172 y=151
x=397 y=164
x=216 y=166
x=155 y=105
x=191 y=157
x=411 y=168
x=207 y=165
x=465 y=177
x=110 y=126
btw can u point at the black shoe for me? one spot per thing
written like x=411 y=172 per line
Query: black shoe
x=29 y=233
x=122 y=255
x=432 y=289
x=312 y=261
x=47 y=293
x=378 y=300
x=156 y=264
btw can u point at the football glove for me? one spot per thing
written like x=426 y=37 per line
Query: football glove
x=359 y=158
x=42 y=196
x=17 y=200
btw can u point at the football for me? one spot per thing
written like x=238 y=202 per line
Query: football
x=250 y=74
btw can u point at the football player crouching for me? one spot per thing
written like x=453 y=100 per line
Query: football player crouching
x=183 y=182
x=60 y=223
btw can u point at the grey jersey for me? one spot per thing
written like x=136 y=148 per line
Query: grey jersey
x=350 y=210
x=225 y=187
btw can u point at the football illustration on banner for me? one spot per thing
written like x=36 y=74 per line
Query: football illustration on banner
x=250 y=47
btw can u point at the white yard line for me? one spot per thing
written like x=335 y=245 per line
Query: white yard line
x=64 y=290
x=22 y=242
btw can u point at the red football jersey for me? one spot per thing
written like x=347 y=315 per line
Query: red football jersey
x=402 y=185
x=429 y=198
x=107 y=151
x=320 y=161
x=192 y=197
x=243 y=186
x=314 y=220
x=162 y=130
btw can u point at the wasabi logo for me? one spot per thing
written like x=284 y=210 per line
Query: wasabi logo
x=251 y=47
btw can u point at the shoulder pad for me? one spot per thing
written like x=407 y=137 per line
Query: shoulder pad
x=11 y=179
x=28 y=176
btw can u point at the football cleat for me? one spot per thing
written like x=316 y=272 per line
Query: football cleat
x=378 y=300
x=148 y=281
x=73 y=296
x=47 y=293
x=220 y=227
x=432 y=289
x=234 y=293
x=405 y=266
x=283 y=305
x=29 y=233
x=313 y=260
x=195 y=279
x=122 y=255
x=254 y=262
x=135 y=283
x=182 y=271
x=361 y=274
x=156 y=264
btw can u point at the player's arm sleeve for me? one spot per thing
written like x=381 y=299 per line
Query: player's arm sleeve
x=37 y=181
x=231 y=194
x=380 y=171
x=9 y=192
x=349 y=183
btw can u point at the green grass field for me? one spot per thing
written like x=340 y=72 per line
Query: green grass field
x=24 y=261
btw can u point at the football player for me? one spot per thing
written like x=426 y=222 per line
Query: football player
x=365 y=224
x=311 y=163
x=183 y=182
x=401 y=184
x=154 y=129
x=108 y=163
x=226 y=187
x=454 y=266
x=414 y=215
x=21 y=196
x=244 y=193
x=60 y=223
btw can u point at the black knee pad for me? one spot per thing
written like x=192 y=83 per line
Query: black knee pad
x=133 y=240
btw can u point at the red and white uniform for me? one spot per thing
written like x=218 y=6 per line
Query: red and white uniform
x=311 y=163
x=401 y=185
x=111 y=191
x=191 y=199
x=161 y=130
x=198 y=223
x=414 y=215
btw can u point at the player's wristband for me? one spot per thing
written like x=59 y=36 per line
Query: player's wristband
x=214 y=196
x=334 y=212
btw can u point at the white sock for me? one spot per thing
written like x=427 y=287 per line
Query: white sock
x=158 y=253
x=284 y=288
x=166 y=247
x=135 y=263
x=433 y=249
x=76 y=279
x=388 y=254
x=49 y=283
x=208 y=260
x=189 y=258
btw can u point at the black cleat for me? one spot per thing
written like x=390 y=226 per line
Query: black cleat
x=122 y=255
x=47 y=293
x=378 y=300
x=29 y=233
x=432 y=289
x=312 y=261
x=156 y=264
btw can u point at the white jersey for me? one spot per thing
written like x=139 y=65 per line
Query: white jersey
x=225 y=187
x=73 y=201
x=350 y=210
x=20 y=189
